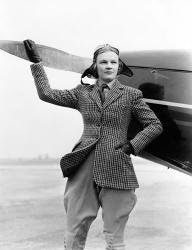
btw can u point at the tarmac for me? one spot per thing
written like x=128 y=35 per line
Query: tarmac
x=32 y=215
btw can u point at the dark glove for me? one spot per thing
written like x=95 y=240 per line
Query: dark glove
x=31 y=50
x=127 y=148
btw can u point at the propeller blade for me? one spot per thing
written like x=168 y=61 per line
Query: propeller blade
x=51 y=57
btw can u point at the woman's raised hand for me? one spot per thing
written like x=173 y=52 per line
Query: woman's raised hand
x=32 y=51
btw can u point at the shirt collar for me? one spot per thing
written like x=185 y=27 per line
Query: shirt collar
x=110 y=84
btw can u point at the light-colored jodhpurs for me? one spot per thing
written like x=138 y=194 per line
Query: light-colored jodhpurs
x=82 y=200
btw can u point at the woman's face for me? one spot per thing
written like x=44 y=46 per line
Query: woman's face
x=107 y=66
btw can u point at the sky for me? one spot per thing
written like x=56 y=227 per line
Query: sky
x=30 y=127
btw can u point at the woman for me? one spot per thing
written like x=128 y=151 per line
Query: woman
x=99 y=168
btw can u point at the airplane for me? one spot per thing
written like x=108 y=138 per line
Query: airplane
x=164 y=77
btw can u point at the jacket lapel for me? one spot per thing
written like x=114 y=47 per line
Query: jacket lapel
x=94 y=94
x=115 y=92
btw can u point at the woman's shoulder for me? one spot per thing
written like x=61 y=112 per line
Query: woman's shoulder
x=84 y=86
x=133 y=90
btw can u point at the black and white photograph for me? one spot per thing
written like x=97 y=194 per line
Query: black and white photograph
x=95 y=125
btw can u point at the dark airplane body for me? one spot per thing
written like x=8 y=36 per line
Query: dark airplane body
x=164 y=77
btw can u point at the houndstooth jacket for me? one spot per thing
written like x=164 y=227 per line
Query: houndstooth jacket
x=105 y=127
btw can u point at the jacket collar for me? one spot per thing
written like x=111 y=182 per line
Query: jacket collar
x=108 y=84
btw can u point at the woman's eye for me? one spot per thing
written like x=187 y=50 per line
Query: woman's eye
x=105 y=62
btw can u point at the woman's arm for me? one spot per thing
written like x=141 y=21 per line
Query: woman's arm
x=66 y=98
x=152 y=126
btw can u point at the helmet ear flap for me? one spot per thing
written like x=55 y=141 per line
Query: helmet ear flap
x=120 y=67
x=124 y=69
